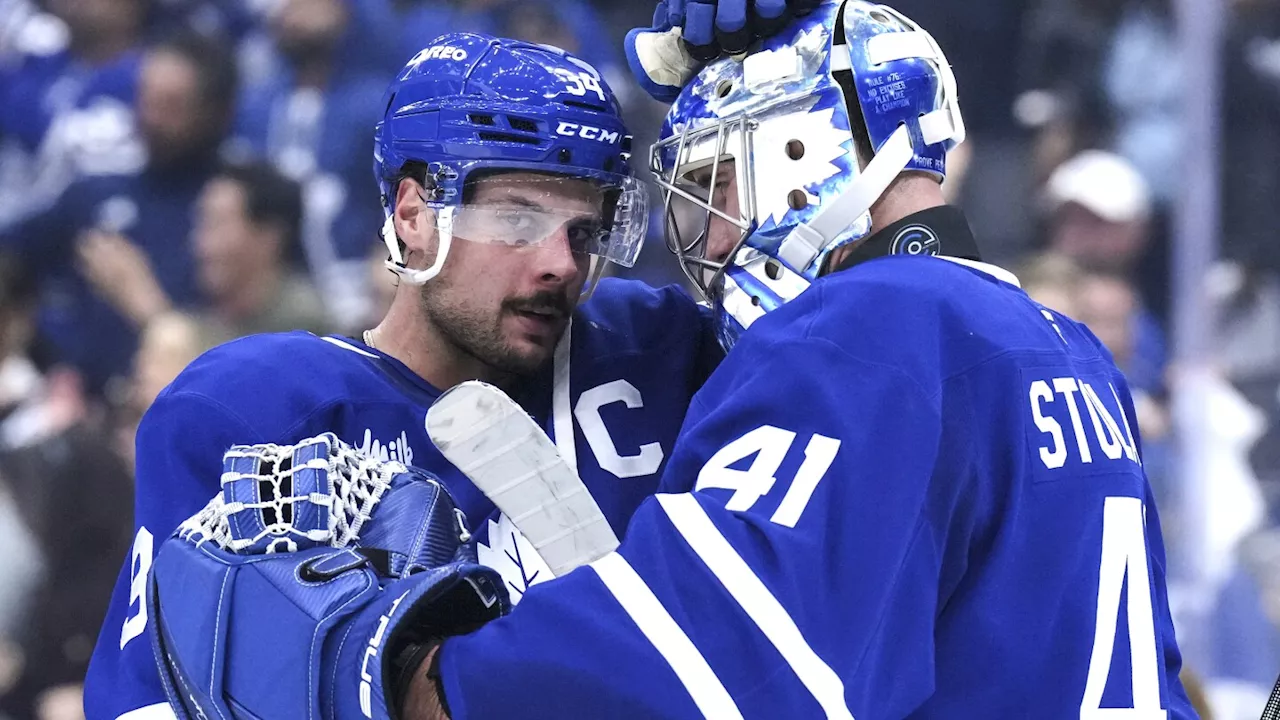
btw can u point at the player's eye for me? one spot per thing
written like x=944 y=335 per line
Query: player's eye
x=514 y=220
x=723 y=176
x=583 y=235
x=699 y=188
x=719 y=193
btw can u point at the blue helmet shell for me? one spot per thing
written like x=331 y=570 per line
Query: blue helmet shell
x=471 y=102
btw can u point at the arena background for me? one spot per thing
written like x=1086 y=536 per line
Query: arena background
x=1122 y=159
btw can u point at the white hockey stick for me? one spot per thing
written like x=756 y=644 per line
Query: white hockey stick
x=495 y=443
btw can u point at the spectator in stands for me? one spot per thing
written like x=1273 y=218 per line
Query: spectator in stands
x=1098 y=207
x=22 y=565
x=1053 y=280
x=185 y=101
x=65 y=101
x=1108 y=304
x=1098 y=214
x=246 y=220
x=68 y=487
x=72 y=491
x=64 y=484
x=312 y=120
x=249 y=218
x=167 y=345
x=1064 y=50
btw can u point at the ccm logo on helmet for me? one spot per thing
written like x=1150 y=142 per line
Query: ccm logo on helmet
x=444 y=52
x=569 y=129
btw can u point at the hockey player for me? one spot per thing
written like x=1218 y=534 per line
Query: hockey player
x=504 y=169
x=908 y=492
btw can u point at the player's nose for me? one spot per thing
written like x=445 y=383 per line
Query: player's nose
x=722 y=237
x=554 y=261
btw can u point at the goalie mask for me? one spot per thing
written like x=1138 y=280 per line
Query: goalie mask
x=470 y=105
x=790 y=116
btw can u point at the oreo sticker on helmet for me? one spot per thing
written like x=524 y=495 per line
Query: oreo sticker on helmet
x=915 y=240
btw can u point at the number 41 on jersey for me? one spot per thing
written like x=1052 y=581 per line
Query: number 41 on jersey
x=770 y=446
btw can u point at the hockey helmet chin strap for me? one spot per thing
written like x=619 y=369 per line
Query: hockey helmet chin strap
x=396 y=263
x=807 y=241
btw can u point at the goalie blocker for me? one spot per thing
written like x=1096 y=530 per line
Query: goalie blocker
x=250 y=565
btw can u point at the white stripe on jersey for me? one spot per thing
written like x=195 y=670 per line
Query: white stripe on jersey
x=159 y=711
x=348 y=346
x=692 y=522
x=660 y=628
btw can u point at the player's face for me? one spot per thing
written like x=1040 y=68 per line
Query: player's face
x=722 y=235
x=499 y=298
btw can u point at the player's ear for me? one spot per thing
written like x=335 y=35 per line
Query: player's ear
x=415 y=222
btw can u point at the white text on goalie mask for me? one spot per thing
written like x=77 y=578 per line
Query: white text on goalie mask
x=397 y=450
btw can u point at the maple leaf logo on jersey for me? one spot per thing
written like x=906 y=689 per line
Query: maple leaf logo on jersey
x=511 y=554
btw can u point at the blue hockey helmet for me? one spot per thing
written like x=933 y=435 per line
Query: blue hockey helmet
x=850 y=78
x=471 y=103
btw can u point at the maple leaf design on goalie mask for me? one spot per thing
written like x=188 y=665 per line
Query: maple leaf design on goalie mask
x=513 y=556
x=780 y=174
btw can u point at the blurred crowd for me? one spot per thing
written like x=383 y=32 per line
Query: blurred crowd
x=177 y=173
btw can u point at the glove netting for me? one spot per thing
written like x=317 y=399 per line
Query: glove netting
x=344 y=483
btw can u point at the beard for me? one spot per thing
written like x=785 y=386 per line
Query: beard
x=480 y=333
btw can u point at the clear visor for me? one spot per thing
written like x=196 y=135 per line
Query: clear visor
x=603 y=222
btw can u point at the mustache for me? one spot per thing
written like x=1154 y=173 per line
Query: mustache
x=542 y=301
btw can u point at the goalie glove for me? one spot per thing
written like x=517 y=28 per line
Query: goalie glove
x=310 y=585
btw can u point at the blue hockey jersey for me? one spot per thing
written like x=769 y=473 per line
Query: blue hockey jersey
x=636 y=357
x=910 y=493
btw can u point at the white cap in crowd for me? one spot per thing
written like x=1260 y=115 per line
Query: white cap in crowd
x=1103 y=183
